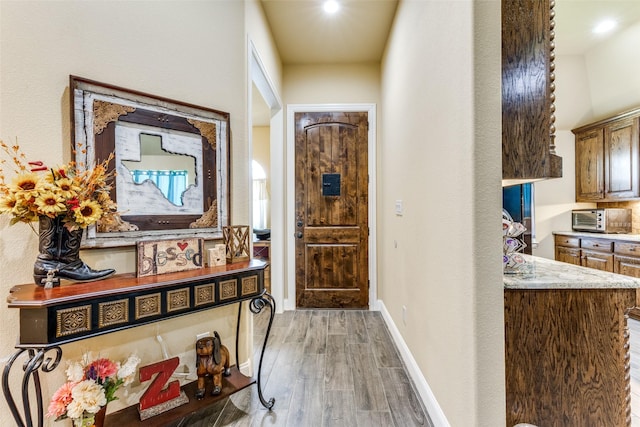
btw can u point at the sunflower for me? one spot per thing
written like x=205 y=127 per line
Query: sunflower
x=8 y=203
x=81 y=196
x=105 y=201
x=26 y=183
x=66 y=188
x=87 y=213
x=51 y=204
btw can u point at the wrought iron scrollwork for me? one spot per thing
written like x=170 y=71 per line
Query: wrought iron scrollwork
x=256 y=305
x=37 y=359
x=259 y=303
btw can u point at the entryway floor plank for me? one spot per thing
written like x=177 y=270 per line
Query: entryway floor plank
x=325 y=368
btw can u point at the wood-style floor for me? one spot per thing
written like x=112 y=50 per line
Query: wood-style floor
x=325 y=368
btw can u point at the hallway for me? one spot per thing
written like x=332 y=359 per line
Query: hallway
x=325 y=368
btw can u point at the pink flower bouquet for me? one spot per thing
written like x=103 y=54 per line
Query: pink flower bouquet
x=90 y=386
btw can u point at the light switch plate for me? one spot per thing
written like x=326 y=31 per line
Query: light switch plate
x=399 y=207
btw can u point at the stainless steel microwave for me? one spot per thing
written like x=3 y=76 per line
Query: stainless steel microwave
x=605 y=220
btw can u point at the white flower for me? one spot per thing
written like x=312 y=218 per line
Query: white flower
x=128 y=370
x=75 y=372
x=74 y=410
x=89 y=396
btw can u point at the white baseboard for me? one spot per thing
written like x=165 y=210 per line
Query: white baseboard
x=289 y=304
x=430 y=403
x=246 y=368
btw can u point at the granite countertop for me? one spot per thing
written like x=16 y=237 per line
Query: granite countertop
x=612 y=236
x=550 y=274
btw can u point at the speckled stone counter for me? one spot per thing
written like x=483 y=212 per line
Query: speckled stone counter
x=550 y=274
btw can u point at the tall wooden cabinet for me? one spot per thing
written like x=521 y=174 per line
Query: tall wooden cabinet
x=528 y=110
x=590 y=165
x=607 y=159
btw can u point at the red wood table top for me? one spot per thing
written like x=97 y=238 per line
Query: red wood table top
x=33 y=296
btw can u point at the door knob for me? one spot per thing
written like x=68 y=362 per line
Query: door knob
x=299 y=234
x=299 y=223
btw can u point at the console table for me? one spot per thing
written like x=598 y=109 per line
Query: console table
x=68 y=313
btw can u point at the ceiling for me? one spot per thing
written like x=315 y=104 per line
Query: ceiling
x=305 y=34
x=576 y=18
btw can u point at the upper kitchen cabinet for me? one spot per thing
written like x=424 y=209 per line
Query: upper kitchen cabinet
x=607 y=159
x=528 y=129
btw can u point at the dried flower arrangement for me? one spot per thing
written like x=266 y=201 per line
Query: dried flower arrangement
x=78 y=194
x=65 y=200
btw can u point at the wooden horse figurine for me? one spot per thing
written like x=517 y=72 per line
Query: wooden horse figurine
x=212 y=359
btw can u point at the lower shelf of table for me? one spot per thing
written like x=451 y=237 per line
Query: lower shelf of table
x=129 y=416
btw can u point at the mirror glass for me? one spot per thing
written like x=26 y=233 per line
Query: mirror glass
x=161 y=165
x=170 y=163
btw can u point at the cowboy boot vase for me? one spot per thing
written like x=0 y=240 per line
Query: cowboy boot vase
x=59 y=256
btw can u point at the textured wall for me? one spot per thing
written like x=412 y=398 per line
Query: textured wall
x=191 y=51
x=440 y=154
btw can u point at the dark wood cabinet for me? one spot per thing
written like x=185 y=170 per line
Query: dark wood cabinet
x=590 y=165
x=568 y=249
x=626 y=258
x=621 y=159
x=598 y=260
x=629 y=266
x=567 y=353
x=528 y=129
x=613 y=255
x=570 y=255
x=607 y=159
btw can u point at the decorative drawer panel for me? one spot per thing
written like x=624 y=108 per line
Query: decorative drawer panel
x=228 y=289
x=113 y=313
x=625 y=248
x=249 y=285
x=204 y=294
x=74 y=320
x=568 y=242
x=101 y=312
x=178 y=300
x=597 y=245
x=148 y=306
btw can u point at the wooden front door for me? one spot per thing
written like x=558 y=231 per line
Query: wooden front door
x=332 y=232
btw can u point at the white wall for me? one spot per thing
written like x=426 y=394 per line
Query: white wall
x=332 y=84
x=614 y=81
x=555 y=198
x=589 y=87
x=261 y=152
x=192 y=51
x=440 y=154
x=259 y=33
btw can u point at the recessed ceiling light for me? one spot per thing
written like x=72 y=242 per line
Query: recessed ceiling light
x=605 y=26
x=331 y=6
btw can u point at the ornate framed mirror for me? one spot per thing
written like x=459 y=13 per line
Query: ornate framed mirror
x=171 y=162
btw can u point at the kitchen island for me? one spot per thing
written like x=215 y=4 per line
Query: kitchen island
x=567 y=345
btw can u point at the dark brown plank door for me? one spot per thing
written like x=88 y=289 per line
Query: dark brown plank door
x=331 y=188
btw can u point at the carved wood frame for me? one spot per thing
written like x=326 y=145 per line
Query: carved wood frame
x=96 y=108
